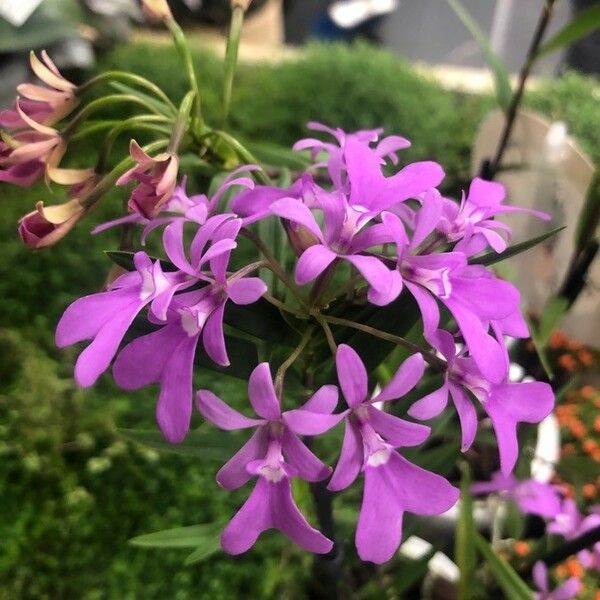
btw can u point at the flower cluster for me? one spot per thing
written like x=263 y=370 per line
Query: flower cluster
x=357 y=236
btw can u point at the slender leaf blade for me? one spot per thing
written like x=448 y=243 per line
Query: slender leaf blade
x=499 y=71
x=583 y=24
x=209 y=445
x=193 y=536
x=494 y=257
x=506 y=577
x=465 y=551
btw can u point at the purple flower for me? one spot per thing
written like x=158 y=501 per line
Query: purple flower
x=166 y=356
x=472 y=223
x=392 y=484
x=570 y=523
x=567 y=590
x=507 y=404
x=386 y=148
x=274 y=454
x=105 y=317
x=473 y=295
x=531 y=496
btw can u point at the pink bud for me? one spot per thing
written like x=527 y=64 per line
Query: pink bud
x=156 y=10
x=44 y=227
x=299 y=236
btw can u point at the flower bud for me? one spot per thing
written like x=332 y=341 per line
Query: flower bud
x=44 y=227
x=156 y=10
x=299 y=236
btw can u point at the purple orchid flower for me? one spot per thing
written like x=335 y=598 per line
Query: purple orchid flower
x=274 y=454
x=507 y=404
x=392 y=484
x=567 y=590
x=472 y=223
x=531 y=496
x=473 y=295
x=105 y=317
x=166 y=356
x=569 y=523
x=346 y=216
x=386 y=148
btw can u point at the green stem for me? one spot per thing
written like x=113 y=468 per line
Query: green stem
x=183 y=48
x=274 y=264
x=244 y=154
x=231 y=54
x=103 y=103
x=137 y=122
x=131 y=78
x=280 y=376
x=432 y=359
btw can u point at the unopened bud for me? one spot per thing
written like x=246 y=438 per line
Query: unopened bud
x=156 y=10
x=243 y=4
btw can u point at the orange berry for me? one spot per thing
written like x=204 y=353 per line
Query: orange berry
x=557 y=339
x=577 y=428
x=567 y=362
x=522 y=548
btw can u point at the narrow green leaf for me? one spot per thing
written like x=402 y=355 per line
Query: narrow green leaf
x=553 y=312
x=495 y=257
x=540 y=350
x=500 y=73
x=194 y=536
x=583 y=24
x=211 y=546
x=278 y=156
x=589 y=216
x=151 y=100
x=506 y=577
x=465 y=531
x=210 y=445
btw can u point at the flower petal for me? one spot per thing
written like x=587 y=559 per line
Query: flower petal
x=234 y=474
x=406 y=377
x=350 y=461
x=213 y=337
x=246 y=290
x=304 y=422
x=396 y=431
x=430 y=406
x=309 y=466
x=262 y=393
x=352 y=375
x=467 y=415
x=219 y=413
x=297 y=212
x=313 y=261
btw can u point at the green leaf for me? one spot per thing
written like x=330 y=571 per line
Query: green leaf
x=583 y=24
x=465 y=531
x=553 y=312
x=506 y=577
x=210 y=445
x=540 y=350
x=500 y=73
x=278 y=156
x=161 y=107
x=589 y=216
x=204 y=538
x=495 y=257
x=125 y=259
x=179 y=537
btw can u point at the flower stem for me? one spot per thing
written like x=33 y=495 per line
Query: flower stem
x=274 y=264
x=231 y=54
x=291 y=359
x=432 y=359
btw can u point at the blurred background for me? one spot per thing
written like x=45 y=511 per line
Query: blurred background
x=72 y=490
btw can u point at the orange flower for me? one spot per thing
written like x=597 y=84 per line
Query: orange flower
x=589 y=445
x=596 y=455
x=574 y=568
x=557 y=340
x=588 y=392
x=568 y=449
x=597 y=424
x=561 y=571
x=567 y=362
x=588 y=490
x=522 y=548
x=585 y=357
